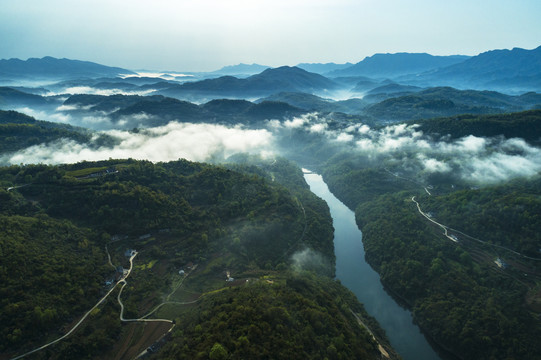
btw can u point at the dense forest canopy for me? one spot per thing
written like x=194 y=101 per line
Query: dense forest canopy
x=248 y=219
x=474 y=289
x=180 y=259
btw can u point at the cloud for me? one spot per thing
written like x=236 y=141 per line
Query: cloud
x=197 y=142
x=404 y=147
x=398 y=147
x=344 y=137
x=318 y=128
x=96 y=91
x=74 y=107
x=310 y=260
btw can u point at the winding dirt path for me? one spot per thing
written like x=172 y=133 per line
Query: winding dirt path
x=82 y=319
x=446 y=228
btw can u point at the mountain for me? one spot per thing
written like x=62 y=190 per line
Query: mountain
x=270 y=81
x=84 y=102
x=165 y=109
x=10 y=97
x=19 y=131
x=387 y=91
x=516 y=70
x=447 y=101
x=319 y=68
x=394 y=65
x=288 y=78
x=394 y=89
x=241 y=69
x=49 y=67
x=311 y=102
x=129 y=111
x=525 y=125
x=209 y=222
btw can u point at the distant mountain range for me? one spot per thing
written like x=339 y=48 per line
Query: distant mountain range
x=513 y=71
x=268 y=82
x=505 y=70
x=446 y=101
x=241 y=69
x=49 y=67
x=399 y=64
x=387 y=103
x=323 y=69
x=159 y=110
x=311 y=102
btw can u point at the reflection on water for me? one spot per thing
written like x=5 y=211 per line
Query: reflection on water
x=363 y=281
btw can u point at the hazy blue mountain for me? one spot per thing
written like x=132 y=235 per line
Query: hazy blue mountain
x=270 y=81
x=159 y=110
x=394 y=89
x=271 y=110
x=516 y=70
x=301 y=100
x=227 y=107
x=393 y=65
x=241 y=69
x=320 y=68
x=10 y=97
x=49 y=67
x=350 y=81
x=164 y=108
x=286 y=78
x=221 y=84
x=19 y=131
x=106 y=104
x=31 y=90
x=447 y=101
x=311 y=102
x=387 y=91
x=130 y=84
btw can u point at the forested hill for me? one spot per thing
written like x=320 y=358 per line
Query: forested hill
x=194 y=226
x=49 y=67
x=472 y=281
x=525 y=125
x=19 y=131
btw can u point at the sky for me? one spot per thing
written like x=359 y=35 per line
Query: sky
x=204 y=35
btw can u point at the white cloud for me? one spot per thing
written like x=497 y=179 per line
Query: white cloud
x=74 y=90
x=318 y=128
x=343 y=137
x=197 y=142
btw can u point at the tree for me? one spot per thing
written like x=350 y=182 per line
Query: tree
x=218 y=352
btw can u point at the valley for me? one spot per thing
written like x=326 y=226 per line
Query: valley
x=168 y=216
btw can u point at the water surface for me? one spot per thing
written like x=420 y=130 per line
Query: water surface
x=354 y=273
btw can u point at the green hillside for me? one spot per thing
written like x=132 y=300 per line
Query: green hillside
x=61 y=224
x=19 y=131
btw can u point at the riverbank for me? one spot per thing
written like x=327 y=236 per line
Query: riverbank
x=357 y=275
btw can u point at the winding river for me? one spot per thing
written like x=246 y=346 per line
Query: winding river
x=354 y=273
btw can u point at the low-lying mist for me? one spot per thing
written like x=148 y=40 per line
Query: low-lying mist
x=405 y=149
x=401 y=148
x=197 y=142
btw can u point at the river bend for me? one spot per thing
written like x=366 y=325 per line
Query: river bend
x=354 y=273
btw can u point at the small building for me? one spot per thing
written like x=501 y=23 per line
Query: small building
x=143 y=237
x=181 y=272
x=130 y=252
x=501 y=264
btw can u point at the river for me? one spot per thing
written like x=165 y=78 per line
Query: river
x=354 y=273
